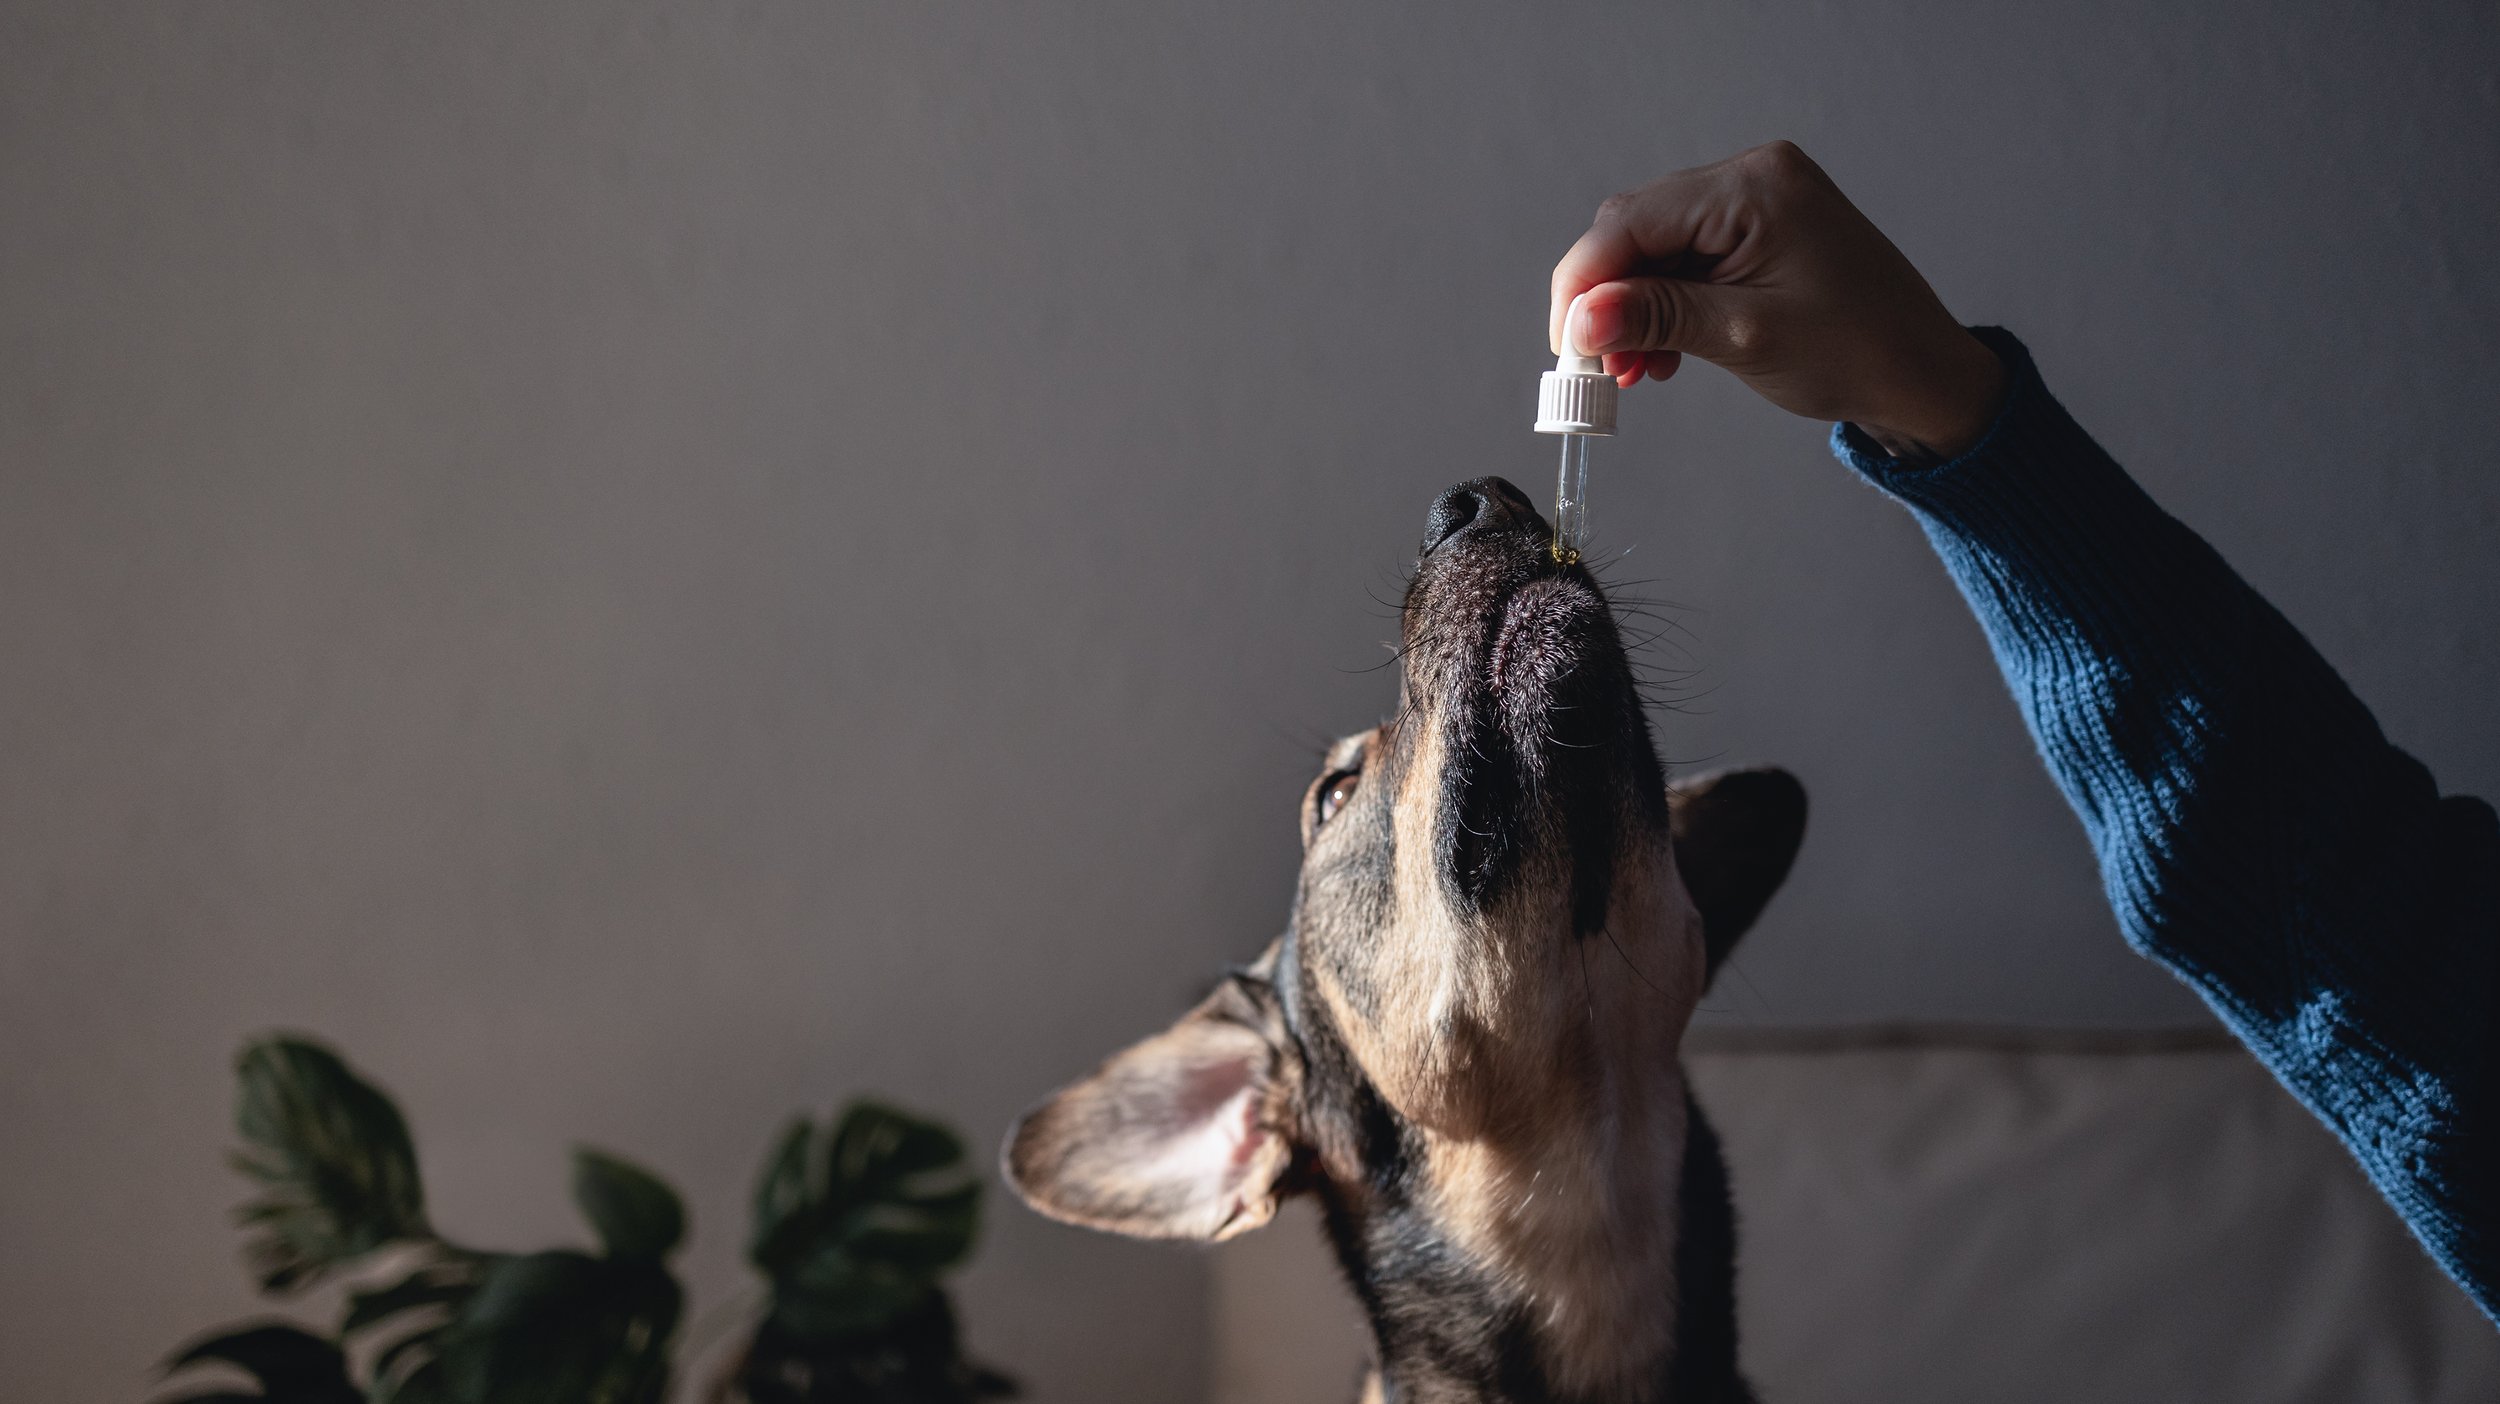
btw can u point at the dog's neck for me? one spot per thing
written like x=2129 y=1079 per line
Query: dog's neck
x=1573 y=1244
x=1605 y=1280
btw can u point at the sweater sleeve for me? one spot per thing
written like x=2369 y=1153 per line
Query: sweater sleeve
x=2257 y=835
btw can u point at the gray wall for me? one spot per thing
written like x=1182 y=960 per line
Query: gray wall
x=647 y=570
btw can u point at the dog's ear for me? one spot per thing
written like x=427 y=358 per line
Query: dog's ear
x=1736 y=832
x=1185 y=1135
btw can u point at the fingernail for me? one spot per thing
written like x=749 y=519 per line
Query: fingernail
x=1595 y=326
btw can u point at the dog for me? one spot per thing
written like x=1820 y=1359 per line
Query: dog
x=1465 y=1044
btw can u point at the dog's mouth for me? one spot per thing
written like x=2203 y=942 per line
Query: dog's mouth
x=1516 y=678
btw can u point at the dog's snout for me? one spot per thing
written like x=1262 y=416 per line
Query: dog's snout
x=1483 y=505
x=1452 y=512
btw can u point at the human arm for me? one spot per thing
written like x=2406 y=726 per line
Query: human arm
x=2257 y=834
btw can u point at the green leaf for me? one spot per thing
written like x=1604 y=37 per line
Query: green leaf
x=916 y=1358
x=636 y=1214
x=438 y=1284
x=421 y=1385
x=417 y=1347
x=877 y=1142
x=409 y=1370
x=334 y=1156
x=784 y=1190
x=291 y=1364
x=854 y=1227
x=556 y=1327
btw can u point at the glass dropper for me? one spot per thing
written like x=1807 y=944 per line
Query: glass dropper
x=1576 y=399
x=1571 y=499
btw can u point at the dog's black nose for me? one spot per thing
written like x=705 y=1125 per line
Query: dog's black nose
x=1483 y=505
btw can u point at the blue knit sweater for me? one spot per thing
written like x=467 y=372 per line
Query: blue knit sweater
x=2257 y=836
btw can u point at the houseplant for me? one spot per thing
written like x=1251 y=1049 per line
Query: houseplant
x=857 y=1221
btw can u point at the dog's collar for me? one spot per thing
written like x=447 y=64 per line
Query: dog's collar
x=1286 y=979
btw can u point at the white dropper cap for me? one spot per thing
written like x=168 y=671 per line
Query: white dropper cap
x=1576 y=397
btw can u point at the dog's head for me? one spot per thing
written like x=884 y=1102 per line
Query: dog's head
x=1504 y=922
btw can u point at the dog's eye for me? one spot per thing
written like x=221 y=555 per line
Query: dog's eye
x=1335 y=791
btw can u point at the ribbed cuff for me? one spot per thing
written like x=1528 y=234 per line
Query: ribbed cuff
x=2023 y=391
x=2033 y=452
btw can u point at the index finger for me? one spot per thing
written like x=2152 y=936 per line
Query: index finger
x=1656 y=223
x=1602 y=255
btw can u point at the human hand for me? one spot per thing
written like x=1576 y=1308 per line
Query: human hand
x=1759 y=265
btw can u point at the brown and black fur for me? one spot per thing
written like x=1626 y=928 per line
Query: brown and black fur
x=1464 y=1045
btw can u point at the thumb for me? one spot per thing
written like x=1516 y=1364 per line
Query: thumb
x=1649 y=314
